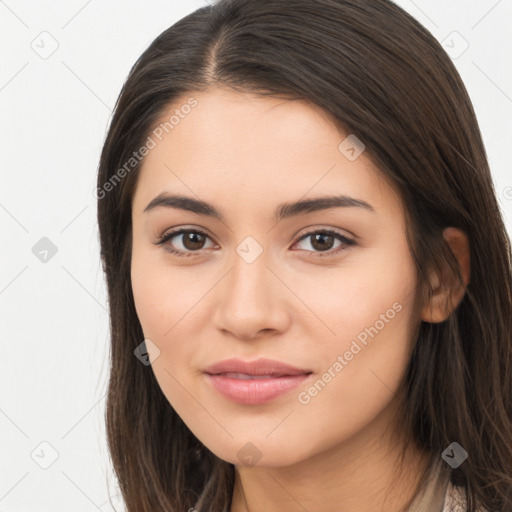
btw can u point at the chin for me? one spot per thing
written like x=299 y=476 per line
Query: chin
x=256 y=453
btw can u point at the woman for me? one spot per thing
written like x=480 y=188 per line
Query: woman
x=309 y=277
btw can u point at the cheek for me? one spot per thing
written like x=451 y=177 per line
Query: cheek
x=369 y=287
x=165 y=306
x=376 y=318
x=163 y=297
x=169 y=306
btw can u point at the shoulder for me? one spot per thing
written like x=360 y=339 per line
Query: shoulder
x=455 y=500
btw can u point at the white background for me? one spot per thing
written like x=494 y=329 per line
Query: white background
x=54 y=114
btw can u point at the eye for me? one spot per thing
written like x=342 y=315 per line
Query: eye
x=192 y=240
x=322 y=241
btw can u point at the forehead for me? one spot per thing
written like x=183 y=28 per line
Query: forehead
x=251 y=150
x=223 y=118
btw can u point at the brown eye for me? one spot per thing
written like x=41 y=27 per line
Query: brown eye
x=192 y=240
x=324 y=240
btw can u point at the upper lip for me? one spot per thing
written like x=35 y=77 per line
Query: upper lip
x=258 y=367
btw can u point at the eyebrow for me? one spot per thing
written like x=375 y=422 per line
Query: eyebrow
x=283 y=210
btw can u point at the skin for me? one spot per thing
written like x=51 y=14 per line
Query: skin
x=245 y=155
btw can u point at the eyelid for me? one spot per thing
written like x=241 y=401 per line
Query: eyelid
x=168 y=233
x=310 y=230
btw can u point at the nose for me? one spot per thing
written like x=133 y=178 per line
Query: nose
x=252 y=301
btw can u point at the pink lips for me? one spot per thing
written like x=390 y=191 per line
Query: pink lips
x=254 y=382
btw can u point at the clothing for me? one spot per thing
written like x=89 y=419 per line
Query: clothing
x=440 y=495
x=456 y=500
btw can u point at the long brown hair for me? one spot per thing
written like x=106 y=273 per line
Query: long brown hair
x=383 y=77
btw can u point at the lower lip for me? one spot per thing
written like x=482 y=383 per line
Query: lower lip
x=255 y=391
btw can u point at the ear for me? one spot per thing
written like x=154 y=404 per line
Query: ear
x=446 y=297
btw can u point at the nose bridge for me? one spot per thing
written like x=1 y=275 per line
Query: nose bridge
x=249 y=296
x=250 y=275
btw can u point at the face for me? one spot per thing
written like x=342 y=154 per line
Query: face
x=327 y=288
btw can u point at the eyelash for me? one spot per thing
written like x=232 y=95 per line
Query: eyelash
x=171 y=234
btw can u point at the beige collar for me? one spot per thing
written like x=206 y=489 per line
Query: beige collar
x=432 y=499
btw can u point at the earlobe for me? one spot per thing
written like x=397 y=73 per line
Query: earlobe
x=446 y=298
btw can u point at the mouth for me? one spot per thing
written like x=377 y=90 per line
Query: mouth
x=256 y=382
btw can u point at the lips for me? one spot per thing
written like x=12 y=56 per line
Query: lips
x=254 y=382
